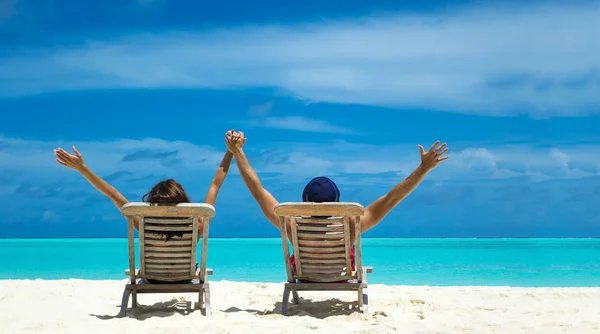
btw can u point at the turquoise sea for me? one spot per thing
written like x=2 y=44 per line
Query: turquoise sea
x=441 y=262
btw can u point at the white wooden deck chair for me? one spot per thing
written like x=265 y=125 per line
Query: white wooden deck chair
x=320 y=237
x=170 y=260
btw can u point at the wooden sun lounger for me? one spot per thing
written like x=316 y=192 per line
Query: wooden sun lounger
x=171 y=260
x=321 y=240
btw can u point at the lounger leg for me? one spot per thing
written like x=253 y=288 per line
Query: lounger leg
x=207 y=308
x=360 y=299
x=124 y=302
x=284 y=303
x=134 y=298
x=295 y=298
x=200 y=304
x=363 y=294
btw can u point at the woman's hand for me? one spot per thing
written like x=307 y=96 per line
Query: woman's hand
x=435 y=155
x=68 y=160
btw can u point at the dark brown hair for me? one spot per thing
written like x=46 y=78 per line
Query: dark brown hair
x=167 y=192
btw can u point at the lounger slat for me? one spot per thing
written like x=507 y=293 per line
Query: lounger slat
x=308 y=261
x=167 y=249
x=173 y=274
x=167 y=273
x=319 y=221
x=166 y=260
x=170 y=274
x=308 y=235
x=168 y=278
x=197 y=272
x=177 y=255
x=170 y=243
x=312 y=219
x=160 y=230
x=167 y=228
x=325 y=278
x=319 y=209
x=334 y=256
x=319 y=243
x=323 y=250
x=167 y=266
x=324 y=272
x=324 y=266
x=160 y=237
x=328 y=228
x=180 y=210
x=345 y=286
x=167 y=221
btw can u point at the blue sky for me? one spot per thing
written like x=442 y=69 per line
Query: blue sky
x=146 y=89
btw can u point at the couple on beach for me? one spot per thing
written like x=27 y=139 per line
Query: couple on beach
x=320 y=189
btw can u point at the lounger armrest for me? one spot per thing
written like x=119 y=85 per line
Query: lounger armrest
x=208 y=271
x=127 y=272
x=137 y=271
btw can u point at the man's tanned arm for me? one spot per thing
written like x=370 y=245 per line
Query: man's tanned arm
x=376 y=211
x=265 y=200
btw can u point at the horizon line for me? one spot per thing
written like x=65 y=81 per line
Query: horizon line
x=279 y=238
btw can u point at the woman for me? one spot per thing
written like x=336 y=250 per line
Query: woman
x=164 y=192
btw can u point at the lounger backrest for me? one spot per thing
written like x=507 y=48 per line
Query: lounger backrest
x=321 y=240
x=168 y=239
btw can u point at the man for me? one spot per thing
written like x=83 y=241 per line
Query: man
x=322 y=189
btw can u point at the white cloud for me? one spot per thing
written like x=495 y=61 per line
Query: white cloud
x=465 y=163
x=35 y=158
x=538 y=60
x=297 y=165
x=299 y=123
x=261 y=109
x=35 y=173
x=49 y=216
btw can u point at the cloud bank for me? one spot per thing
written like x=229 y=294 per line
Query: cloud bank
x=536 y=60
x=148 y=159
x=299 y=123
x=479 y=187
x=386 y=164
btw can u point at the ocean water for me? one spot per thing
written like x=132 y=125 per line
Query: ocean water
x=436 y=262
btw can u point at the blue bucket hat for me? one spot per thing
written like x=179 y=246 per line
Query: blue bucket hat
x=321 y=189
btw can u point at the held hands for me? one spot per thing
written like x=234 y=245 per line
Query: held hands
x=68 y=160
x=431 y=158
x=234 y=141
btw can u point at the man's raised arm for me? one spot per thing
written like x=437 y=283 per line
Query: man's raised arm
x=377 y=210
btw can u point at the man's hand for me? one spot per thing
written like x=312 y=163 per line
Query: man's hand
x=431 y=158
x=68 y=160
x=234 y=141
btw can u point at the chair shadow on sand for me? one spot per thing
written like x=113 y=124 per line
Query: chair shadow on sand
x=160 y=309
x=306 y=307
x=317 y=309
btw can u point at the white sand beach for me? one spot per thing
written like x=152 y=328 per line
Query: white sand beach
x=80 y=306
